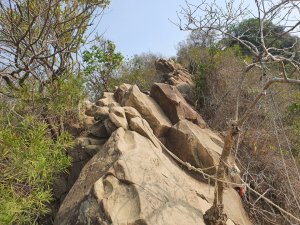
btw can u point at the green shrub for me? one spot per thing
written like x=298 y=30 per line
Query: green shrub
x=101 y=64
x=29 y=161
x=140 y=70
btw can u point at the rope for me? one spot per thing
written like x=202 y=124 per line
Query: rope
x=206 y=176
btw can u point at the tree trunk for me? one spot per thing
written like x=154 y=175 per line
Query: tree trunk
x=215 y=215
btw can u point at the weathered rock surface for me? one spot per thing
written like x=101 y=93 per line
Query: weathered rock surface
x=194 y=145
x=176 y=75
x=149 y=110
x=121 y=91
x=85 y=120
x=85 y=149
x=173 y=72
x=117 y=117
x=131 y=112
x=121 y=172
x=142 y=127
x=174 y=105
x=130 y=181
x=108 y=99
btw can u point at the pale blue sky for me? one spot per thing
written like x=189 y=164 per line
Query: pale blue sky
x=138 y=26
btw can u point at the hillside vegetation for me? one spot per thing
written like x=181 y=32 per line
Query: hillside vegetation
x=246 y=71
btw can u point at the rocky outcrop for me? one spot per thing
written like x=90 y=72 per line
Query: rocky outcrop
x=174 y=105
x=148 y=108
x=125 y=175
x=131 y=181
x=174 y=74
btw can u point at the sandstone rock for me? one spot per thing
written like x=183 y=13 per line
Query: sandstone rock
x=194 y=145
x=164 y=66
x=107 y=100
x=142 y=127
x=90 y=145
x=174 y=105
x=92 y=171
x=84 y=150
x=133 y=182
x=121 y=91
x=182 y=76
x=149 y=110
x=131 y=112
x=174 y=74
x=117 y=117
x=91 y=110
x=215 y=137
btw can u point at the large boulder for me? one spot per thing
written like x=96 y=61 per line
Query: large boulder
x=174 y=105
x=131 y=181
x=94 y=169
x=200 y=147
x=142 y=127
x=149 y=110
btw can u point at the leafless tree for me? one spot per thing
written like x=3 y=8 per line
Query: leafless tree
x=39 y=40
x=39 y=44
x=209 y=16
